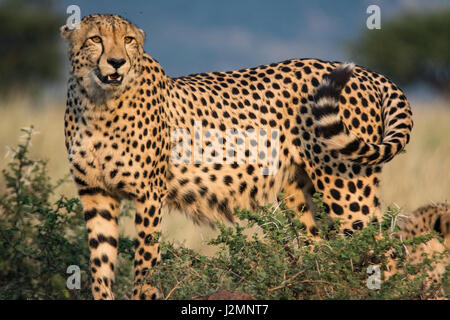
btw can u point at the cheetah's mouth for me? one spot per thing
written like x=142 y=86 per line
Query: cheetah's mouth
x=114 y=79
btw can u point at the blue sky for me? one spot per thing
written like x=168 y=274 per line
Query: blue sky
x=190 y=36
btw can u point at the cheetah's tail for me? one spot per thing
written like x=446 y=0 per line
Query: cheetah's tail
x=331 y=130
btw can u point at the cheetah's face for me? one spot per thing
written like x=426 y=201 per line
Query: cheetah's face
x=105 y=53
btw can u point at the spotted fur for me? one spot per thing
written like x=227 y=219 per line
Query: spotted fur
x=334 y=133
x=434 y=217
x=122 y=110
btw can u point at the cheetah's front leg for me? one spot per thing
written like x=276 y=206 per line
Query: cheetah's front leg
x=147 y=254
x=100 y=213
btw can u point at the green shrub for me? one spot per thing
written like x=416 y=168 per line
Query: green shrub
x=285 y=263
x=42 y=234
x=267 y=254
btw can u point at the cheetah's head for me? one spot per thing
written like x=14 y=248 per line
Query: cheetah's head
x=105 y=53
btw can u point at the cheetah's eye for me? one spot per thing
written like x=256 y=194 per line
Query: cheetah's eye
x=129 y=40
x=96 y=39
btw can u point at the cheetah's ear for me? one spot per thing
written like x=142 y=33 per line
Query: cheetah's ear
x=65 y=32
x=141 y=34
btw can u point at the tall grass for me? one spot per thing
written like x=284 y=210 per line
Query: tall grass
x=48 y=120
x=419 y=176
x=422 y=174
x=40 y=238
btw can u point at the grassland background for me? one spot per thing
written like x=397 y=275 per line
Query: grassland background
x=417 y=177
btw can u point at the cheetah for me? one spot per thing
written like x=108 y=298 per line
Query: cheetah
x=434 y=217
x=301 y=127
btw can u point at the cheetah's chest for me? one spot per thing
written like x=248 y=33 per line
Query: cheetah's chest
x=106 y=162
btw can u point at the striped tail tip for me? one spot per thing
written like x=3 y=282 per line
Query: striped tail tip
x=329 y=125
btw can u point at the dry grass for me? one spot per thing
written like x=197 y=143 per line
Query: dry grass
x=420 y=176
x=49 y=144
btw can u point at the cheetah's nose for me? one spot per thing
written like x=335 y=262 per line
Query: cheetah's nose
x=116 y=63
